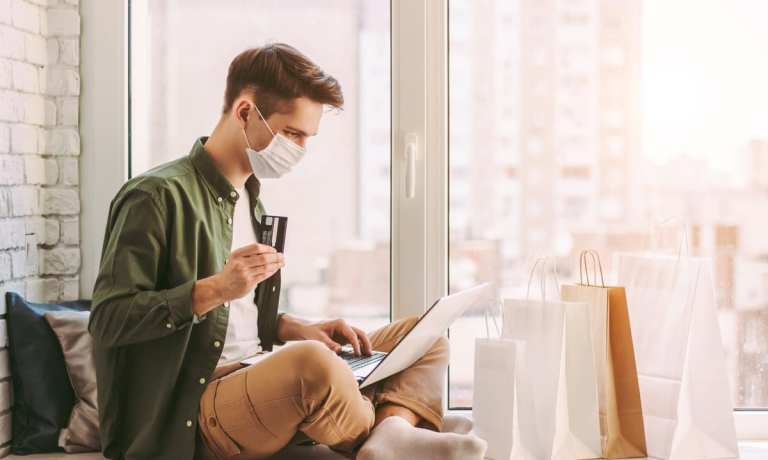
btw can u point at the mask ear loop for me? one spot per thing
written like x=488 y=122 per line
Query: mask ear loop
x=247 y=142
x=263 y=119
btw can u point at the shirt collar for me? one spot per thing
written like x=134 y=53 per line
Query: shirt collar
x=219 y=185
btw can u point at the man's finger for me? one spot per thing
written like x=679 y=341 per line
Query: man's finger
x=263 y=272
x=263 y=259
x=335 y=347
x=252 y=249
x=364 y=341
x=351 y=336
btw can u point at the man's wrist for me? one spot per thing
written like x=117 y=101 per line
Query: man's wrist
x=206 y=295
x=289 y=328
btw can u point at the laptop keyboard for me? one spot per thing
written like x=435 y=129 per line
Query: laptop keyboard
x=357 y=362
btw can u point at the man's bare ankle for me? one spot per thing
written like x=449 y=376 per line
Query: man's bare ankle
x=389 y=410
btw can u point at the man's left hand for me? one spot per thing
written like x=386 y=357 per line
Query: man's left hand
x=333 y=333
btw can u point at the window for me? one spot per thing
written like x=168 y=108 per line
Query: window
x=547 y=107
x=337 y=199
x=668 y=124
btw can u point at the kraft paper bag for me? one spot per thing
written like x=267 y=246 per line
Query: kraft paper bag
x=688 y=412
x=497 y=368
x=556 y=409
x=621 y=419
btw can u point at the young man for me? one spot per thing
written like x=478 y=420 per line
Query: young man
x=185 y=292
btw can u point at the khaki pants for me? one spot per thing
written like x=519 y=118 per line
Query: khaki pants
x=251 y=412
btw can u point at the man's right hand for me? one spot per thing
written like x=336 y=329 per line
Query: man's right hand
x=246 y=267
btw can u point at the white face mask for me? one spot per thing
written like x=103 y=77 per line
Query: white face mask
x=277 y=158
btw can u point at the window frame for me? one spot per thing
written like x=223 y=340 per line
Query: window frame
x=104 y=110
x=419 y=106
x=419 y=79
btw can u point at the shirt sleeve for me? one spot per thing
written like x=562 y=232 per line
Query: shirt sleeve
x=128 y=307
x=277 y=340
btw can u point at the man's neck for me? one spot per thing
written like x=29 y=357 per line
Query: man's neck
x=228 y=155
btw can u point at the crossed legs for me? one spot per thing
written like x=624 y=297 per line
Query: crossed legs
x=254 y=411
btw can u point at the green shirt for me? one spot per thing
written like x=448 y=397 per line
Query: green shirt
x=166 y=229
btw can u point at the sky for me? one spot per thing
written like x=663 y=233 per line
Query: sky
x=705 y=80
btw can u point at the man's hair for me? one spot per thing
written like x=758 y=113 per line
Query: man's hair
x=276 y=74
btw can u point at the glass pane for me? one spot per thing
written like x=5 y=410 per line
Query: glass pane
x=337 y=199
x=576 y=123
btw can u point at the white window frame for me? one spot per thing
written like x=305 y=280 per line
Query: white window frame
x=419 y=105
x=104 y=111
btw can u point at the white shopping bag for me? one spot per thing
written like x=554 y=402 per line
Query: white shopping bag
x=687 y=410
x=556 y=389
x=497 y=367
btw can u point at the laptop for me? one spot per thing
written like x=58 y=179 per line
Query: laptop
x=416 y=342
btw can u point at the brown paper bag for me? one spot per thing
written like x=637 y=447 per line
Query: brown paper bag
x=621 y=418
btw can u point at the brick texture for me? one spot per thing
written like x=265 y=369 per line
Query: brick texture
x=39 y=149
x=39 y=161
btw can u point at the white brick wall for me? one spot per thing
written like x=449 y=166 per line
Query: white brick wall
x=39 y=160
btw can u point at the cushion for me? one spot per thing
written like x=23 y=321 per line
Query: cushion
x=82 y=431
x=42 y=395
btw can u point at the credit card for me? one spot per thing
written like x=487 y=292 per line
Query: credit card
x=273 y=231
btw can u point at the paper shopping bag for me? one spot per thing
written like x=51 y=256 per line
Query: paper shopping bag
x=556 y=388
x=687 y=408
x=621 y=420
x=497 y=368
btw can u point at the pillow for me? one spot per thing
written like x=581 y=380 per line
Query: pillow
x=42 y=395
x=82 y=431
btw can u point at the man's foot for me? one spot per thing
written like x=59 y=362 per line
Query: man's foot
x=457 y=424
x=396 y=439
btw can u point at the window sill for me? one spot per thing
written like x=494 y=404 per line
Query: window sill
x=752 y=447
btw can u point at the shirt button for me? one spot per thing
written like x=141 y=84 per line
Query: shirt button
x=273 y=288
x=226 y=304
x=202 y=380
x=233 y=194
x=168 y=325
x=189 y=422
x=217 y=344
x=219 y=199
x=229 y=220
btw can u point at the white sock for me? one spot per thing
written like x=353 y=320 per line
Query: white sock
x=457 y=424
x=396 y=439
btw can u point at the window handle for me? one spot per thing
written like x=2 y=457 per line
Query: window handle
x=411 y=150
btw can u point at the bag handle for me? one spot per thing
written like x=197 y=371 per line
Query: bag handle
x=683 y=227
x=584 y=267
x=498 y=302
x=542 y=277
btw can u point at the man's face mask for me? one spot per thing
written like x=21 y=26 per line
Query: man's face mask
x=277 y=158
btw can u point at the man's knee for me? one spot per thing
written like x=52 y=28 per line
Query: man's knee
x=410 y=321
x=318 y=367
x=328 y=379
x=440 y=350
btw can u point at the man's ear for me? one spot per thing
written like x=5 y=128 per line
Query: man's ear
x=241 y=111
